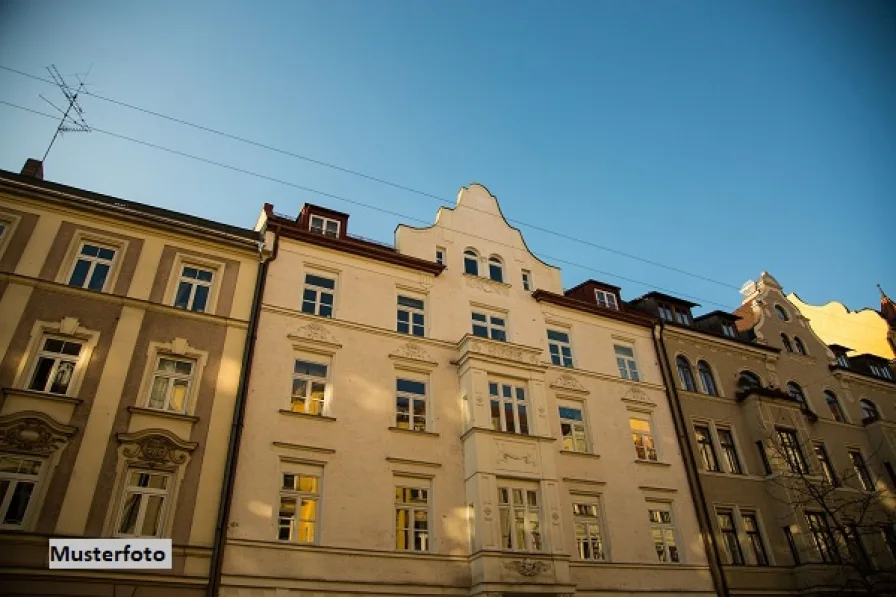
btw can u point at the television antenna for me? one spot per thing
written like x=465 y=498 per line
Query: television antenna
x=73 y=117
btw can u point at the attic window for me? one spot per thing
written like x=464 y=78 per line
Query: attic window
x=606 y=299
x=843 y=361
x=729 y=330
x=322 y=225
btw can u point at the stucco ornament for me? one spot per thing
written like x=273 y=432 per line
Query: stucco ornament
x=413 y=351
x=637 y=395
x=504 y=352
x=34 y=433
x=569 y=382
x=314 y=331
x=486 y=285
x=527 y=567
x=155 y=447
x=520 y=454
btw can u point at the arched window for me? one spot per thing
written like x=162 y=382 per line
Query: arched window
x=495 y=269
x=748 y=379
x=782 y=313
x=836 y=410
x=471 y=262
x=796 y=392
x=706 y=378
x=786 y=342
x=869 y=411
x=685 y=374
x=800 y=347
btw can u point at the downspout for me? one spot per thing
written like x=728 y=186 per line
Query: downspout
x=690 y=466
x=236 y=428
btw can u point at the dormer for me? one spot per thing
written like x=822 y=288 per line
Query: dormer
x=320 y=220
x=870 y=364
x=668 y=308
x=718 y=322
x=597 y=293
x=840 y=354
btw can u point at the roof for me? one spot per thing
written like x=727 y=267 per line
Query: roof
x=594 y=283
x=748 y=318
x=665 y=297
x=718 y=313
x=839 y=347
x=634 y=317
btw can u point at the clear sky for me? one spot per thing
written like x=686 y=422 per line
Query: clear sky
x=722 y=138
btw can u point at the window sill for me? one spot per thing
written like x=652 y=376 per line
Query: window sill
x=580 y=454
x=412 y=432
x=41 y=395
x=162 y=413
x=652 y=462
x=283 y=411
x=508 y=434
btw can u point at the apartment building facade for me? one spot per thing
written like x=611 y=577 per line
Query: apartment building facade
x=440 y=418
x=122 y=333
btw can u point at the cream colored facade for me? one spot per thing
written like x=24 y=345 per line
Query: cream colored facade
x=863 y=331
x=315 y=508
x=98 y=438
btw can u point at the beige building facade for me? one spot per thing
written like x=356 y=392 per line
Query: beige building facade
x=122 y=334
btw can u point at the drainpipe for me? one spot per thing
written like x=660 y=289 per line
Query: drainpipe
x=236 y=428
x=690 y=466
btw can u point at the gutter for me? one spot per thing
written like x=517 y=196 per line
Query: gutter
x=690 y=466
x=236 y=428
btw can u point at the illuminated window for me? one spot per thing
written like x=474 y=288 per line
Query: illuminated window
x=299 y=497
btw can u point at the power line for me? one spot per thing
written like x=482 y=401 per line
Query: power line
x=378 y=180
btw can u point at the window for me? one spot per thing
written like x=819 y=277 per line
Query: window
x=665 y=312
x=663 y=533
x=685 y=374
x=885 y=371
x=145 y=504
x=586 y=520
x=729 y=330
x=875 y=370
x=642 y=437
x=888 y=532
x=309 y=385
x=729 y=537
x=410 y=407
x=755 y=544
x=572 y=428
x=440 y=255
x=682 y=316
x=625 y=360
x=706 y=448
x=843 y=361
x=527 y=280
x=823 y=537
x=869 y=411
x=317 y=297
x=706 y=378
x=55 y=366
x=411 y=518
x=791 y=543
x=326 y=226
x=558 y=346
x=827 y=469
x=495 y=269
x=790 y=448
x=796 y=393
x=748 y=380
x=193 y=289
x=520 y=526
x=471 y=262
x=782 y=314
x=299 y=495
x=729 y=451
x=798 y=344
x=410 y=316
x=606 y=299
x=763 y=457
x=861 y=469
x=92 y=266
x=786 y=342
x=171 y=384
x=19 y=478
x=486 y=325
x=508 y=408
x=834 y=405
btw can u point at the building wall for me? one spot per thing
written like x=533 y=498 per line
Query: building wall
x=863 y=331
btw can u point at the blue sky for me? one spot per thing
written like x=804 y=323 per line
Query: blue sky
x=722 y=138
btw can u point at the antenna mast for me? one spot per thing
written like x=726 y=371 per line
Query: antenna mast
x=73 y=117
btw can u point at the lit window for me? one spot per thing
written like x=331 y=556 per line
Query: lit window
x=322 y=225
x=861 y=470
x=782 y=314
x=558 y=346
x=410 y=316
x=309 y=388
x=707 y=379
x=869 y=410
x=706 y=448
x=145 y=504
x=789 y=444
x=685 y=374
x=755 y=543
x=589 y=542
x=317 y=297
x=440 y=255
x=729 y=451
x=800 y=347
x=642 y=437
x=508 y=408
x=729 y=537
x=625 y=360
x=572 y=428
x=92 y=266
x=297 y=519
x=171 y=384
x=19 y=480
x=606 y=299
x=834 y=406
x=55 y=366
x=495 y=269
x=823 y=537
x=786 y=342
x=410 y=406
x=824 y=461
x=193 y=289
x=411 y=519
x=663 y=532
x=486 y=325
x=471 y=262
x=527 y=280
x=519 y=513
x=796 y=393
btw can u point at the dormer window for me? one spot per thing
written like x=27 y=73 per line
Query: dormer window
x=880 y=371
x=729 y=330
x=843 y=361
x=682 y=317
x=606 y=299
x=666 y=312
x=322 y=225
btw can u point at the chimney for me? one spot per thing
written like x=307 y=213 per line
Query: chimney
x=33 y=168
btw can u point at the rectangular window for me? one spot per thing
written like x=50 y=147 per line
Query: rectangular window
x=706 y=448
x=486 y=325
x=558 y=346
x=519 y=512
x=682 y=316
x=410 y=316
x=663 y=532
x=19 y=479
x=790 y=449
x=440 y=255
x=665 y=312
x=327 y=226
x=791 y=543
x=171 y=384
x=606 y=299
x=827 y=469
x=729 y=330
x=55 y=366
x=843 y=361
x=729 y=451
x=299 y=496
x=527 y=280
x=317 y=296
x=589 y=542
x=411 y=519
x=755 y=544
x=729 y=537
x=764 y=457
x=145 y=504
x=642 y=436
x=572 y=428
x=410 y=407
x=508 y=408
x=888 y=533
x=92 y=266
x=194 y=288
x=823 y=537
x=309 y=387
x=861 y=469
x=625 y=360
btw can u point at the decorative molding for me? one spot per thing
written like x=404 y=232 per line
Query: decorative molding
x=315 y=332
x=487 y=285
x=413 y=462
x=583 y=481
x=487 y=513
x=499 y=350
x=300 y=447
x=179 y=346
x=527 y=567
x=517 y=454
x=568 y=382
x=69 y=326
x=636 y=395
x=416 y=354
x=33 y=432
x=657 y=489
x=155 y=447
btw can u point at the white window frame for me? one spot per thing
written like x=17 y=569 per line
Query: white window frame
x=578 y=428
x=173 y=377
x=606 y=299
x=490 y=326
x=94 y=261
x=723 y=459
x=627 y=365
x=650 y=433
x=869 y=486
x=729 y=329
x=472 y=254
x=533 y=539
x=322 y=229
x=732 y=515
x=665 y=528
x=515 y=404
x=299 y=495
x=760 y=531
x=527 y=280
x=711 y=445
x=496 y=261
x=195 y=284
x=555 y=348
x=8 y=222
x=148 y=492
x=318 y=292
x=412 y=509
x=16 y=478
x=309 y=380
x=441 y=256
x=411 y=311
x=412 y=398
x=57 y=358
x=581 y=517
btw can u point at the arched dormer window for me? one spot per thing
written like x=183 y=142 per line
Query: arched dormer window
x=834 y=405
x=800 y=347
x=786 y=342
x=782 y=313
x=685 y=374
x=870 y=413
x=471 y=262
x=796 y=392
x=706 y=378
x=496 y=268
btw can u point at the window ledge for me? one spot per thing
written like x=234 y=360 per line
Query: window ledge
x=41 y=395
x=163 y=413
x=652 y=462
x=283 y=411
x=508 y=434
x=412 y=432
x=725 y=474
x=582 y=454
